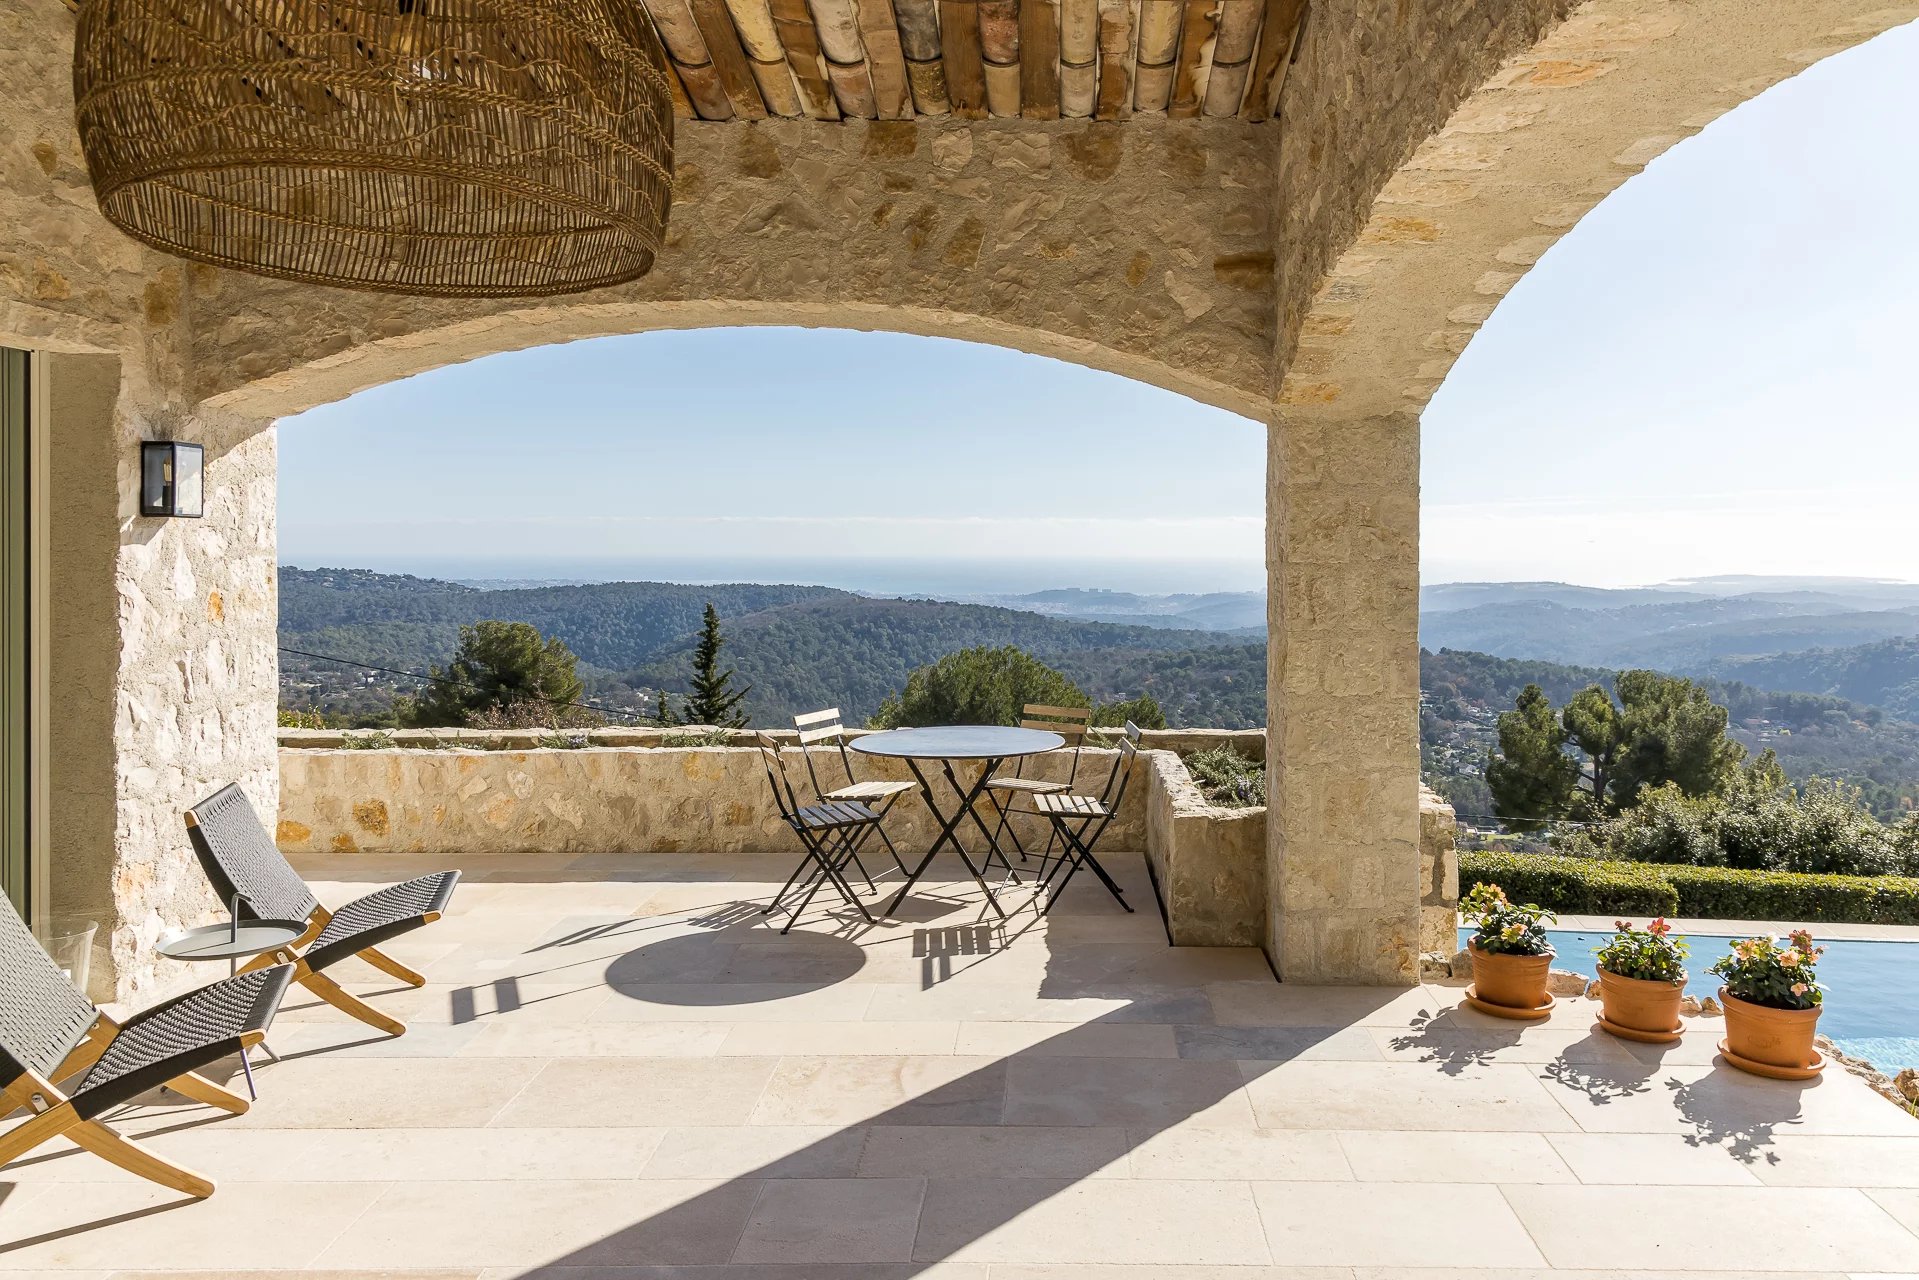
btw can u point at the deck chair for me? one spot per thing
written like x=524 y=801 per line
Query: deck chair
x=816 y=727
x=49 y=1034
x=1005 y=792
x=243 y=863
x=830 y=831
x=1079 y=820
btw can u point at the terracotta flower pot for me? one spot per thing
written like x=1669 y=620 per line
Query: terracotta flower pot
x=1640 y=1008
x=1512 y=982
x=1776 y=1038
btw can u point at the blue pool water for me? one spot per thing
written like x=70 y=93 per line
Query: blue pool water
x=1872 y=989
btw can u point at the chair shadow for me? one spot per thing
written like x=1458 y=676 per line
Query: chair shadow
x=79 y=1228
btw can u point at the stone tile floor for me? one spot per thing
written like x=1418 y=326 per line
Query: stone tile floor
x=621 y=1072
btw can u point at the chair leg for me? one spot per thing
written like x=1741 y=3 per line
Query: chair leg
x=202 y=1090
x=111 y=1147
x=392 y=968
x=43 y=1127
x=334 y=994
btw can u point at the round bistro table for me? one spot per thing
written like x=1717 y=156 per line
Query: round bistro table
x=233 y=941
x=990 y=746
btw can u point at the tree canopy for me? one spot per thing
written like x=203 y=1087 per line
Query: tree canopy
x=503 y=671
x=1662 y=730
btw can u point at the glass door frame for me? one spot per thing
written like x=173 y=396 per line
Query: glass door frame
x=29 y=559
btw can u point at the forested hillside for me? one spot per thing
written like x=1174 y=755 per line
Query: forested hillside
x=852 y=652
x=801 y=648
x=1885 y=674
x=1813 y=735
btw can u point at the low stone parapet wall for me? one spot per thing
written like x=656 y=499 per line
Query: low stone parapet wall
x=467 y=804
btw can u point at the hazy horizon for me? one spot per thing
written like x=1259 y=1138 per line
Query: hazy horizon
x=960 y=577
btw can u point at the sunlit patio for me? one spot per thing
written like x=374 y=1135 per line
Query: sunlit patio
x=619 y=1068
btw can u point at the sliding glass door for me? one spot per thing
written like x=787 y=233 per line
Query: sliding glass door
x=15 y=684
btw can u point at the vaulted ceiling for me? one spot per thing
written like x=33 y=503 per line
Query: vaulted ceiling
x=1036 y=59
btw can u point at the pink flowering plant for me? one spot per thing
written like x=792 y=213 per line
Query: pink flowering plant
x=1764 y=971
x=1651 y=954
x=1506 y=927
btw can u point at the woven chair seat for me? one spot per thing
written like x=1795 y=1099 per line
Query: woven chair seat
x=1070 y=806
x=384 y=913
x=181 y=1035
x=833 y=815
x=1029 y=786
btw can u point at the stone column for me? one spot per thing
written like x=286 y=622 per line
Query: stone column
x=162 y=667
x=1343 y=900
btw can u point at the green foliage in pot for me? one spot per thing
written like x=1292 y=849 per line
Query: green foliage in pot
x=1506 y=927
x=1761 y=971
x=1650 y=954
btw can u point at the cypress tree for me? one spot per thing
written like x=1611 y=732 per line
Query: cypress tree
x=713 y=699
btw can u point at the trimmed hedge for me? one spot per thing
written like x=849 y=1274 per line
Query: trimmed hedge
x=1575 y=885
x=1586 y=886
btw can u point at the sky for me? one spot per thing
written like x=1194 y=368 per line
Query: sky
x=1710 y=374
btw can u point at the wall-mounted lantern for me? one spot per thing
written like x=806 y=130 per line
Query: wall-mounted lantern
x=171 y=479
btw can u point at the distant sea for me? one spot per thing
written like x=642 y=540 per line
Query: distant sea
x=931 y=577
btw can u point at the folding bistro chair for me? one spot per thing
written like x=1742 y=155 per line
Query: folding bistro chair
x=1079 y=821
x=245 y=866
x=816 y=727
x=1070 y=723
x=49 y=1033
x=830 y=832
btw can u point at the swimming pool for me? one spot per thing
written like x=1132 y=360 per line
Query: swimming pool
x=1872 y=989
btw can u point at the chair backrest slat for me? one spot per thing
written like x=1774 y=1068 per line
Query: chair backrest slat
x=242 y=861
x=1115 y=790
x=811 y=718
x=783 y=797
x=825 y=733
x=823 y=727
x=42 y=1016
x=1070 y=723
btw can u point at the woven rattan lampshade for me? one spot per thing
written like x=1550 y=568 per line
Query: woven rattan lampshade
x=475 y=148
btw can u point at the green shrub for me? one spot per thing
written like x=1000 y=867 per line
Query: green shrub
x=1724 y=893
x=1227 y=778
x=1578 y=885
x=1592 y=887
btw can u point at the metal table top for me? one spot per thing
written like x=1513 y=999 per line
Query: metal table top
x=958 y=742
x=224 y=942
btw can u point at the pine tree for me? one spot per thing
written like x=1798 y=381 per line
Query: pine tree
x=665 y=716
x=1531 y=777
x=713 y=699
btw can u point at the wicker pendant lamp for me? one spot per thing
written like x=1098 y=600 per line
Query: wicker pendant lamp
x=460 y=148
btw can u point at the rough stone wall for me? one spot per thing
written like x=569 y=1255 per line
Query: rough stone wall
x=1428 y=244
x=1144 y=249
x=1373 y=79
x=474 y=804
x=162 y=666
x=1210 y=861
x=1438 y=876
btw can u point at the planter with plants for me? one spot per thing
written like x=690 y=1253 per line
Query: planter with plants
x=1642 y=974
x=1512 y=958
x=1772 y=1000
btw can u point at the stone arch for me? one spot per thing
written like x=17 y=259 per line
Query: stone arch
x=1055 y=238
x=382 y=360
x=1551 y=133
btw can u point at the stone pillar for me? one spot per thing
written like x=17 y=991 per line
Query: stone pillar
x=162 y=667
x=1343 y=901
x=1438 y=877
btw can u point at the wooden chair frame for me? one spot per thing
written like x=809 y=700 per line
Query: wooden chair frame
x=53 y=1115
x=326 y=988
